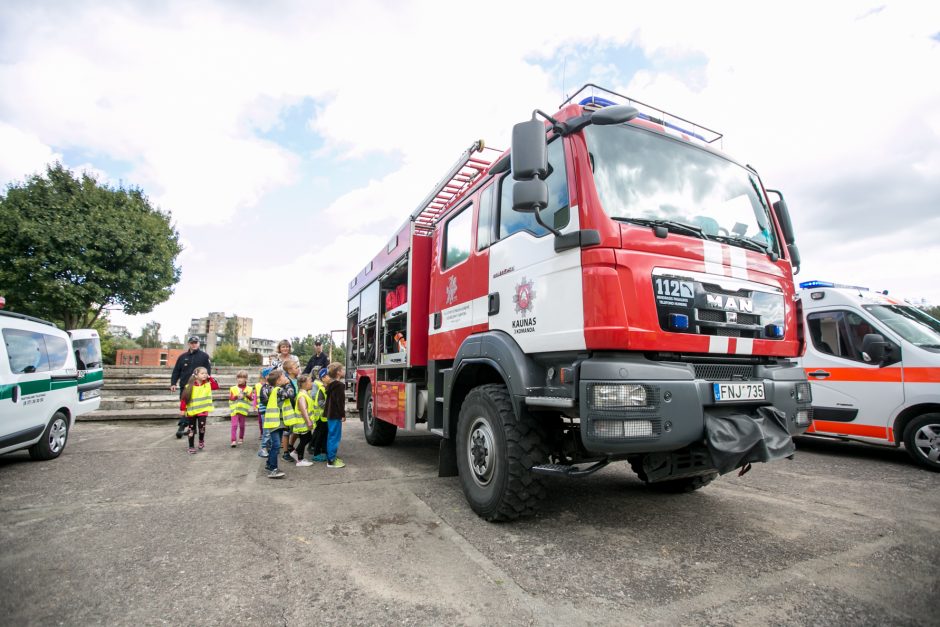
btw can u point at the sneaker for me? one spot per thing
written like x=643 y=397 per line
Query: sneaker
x=262 y=453
x=233 y=444
x=202 y=444
x=336 y=463
x=179 y=434
x=320 y=458
x=192 y=451
x=293 y=455
x=286 y=457
x=241 y=441
x=302 y=463
x=275 y=474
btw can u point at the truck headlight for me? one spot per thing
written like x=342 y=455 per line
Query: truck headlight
x=618 y=395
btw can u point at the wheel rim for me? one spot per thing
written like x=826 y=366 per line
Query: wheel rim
x=57 y=435
x=370 y=418
x=927 y=441
x=481 y=451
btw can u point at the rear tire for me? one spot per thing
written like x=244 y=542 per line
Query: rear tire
x=922 y=441
x=495 y=454
x=53 y=440
x=377 y=431
x=673 y=486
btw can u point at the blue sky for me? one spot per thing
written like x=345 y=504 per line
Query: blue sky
x=289 y=144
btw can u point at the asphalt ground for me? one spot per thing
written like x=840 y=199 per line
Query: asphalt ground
x=127 y=528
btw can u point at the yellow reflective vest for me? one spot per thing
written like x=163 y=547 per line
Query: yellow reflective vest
x=319 y=404
x=242 y=403
x=201 y=400
x=276 y=417
x=300 y=425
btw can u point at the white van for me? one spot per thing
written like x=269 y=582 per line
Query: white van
x=42 y=389
x=874 y=365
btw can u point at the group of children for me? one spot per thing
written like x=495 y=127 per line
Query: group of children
x=295 y=411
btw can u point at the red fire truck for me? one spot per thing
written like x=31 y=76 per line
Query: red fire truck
x=612 y=288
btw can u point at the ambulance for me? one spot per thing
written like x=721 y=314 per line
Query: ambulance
x=48 y=377
x=874 y=365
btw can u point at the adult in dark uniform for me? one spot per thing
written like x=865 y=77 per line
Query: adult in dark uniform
x=185 y=364
x=318 y=361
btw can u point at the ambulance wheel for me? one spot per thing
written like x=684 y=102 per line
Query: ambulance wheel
x=378 y=432
x=922 y=440
x=53 y=439
x=495 y=454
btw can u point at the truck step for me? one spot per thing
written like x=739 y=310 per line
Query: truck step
x=565 y=470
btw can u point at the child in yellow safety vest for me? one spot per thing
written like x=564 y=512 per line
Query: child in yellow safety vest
x=291 y=367
x=277 y=396
x=318 y=447
x=239 y=404
x=197 y=400
x=303 y=421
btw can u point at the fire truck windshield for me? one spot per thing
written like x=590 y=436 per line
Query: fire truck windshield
x=642 y=176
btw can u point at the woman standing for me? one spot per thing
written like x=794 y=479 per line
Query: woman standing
x=283 y=354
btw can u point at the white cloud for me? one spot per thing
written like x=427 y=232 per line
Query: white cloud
x=820 y=97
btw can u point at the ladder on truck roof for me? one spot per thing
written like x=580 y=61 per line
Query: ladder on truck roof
x=458 y=180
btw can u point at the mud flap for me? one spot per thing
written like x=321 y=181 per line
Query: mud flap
x=735 y=438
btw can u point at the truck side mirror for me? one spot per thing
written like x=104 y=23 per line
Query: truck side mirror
x=529 y=196
x=794 y=257
x=783 y=217
x=874 y=348
x=529 y=150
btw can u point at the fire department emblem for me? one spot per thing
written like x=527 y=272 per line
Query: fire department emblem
x=525 y=294
x=452 y=290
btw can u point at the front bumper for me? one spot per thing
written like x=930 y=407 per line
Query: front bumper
x=677 y=401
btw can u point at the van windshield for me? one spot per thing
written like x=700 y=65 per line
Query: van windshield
x=87 y=353
x=910 y=323
x=642 y=176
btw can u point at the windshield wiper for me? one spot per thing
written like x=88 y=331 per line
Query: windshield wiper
x=669 y=225
x=744 y=242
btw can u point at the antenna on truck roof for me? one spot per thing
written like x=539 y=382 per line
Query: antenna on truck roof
x=457 y=180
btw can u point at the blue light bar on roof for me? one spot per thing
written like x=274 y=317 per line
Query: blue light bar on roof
x=811 y=284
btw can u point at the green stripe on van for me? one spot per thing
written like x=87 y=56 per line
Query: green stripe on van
x=91 y=376
x=65 y=383
x=35 y=387
x=6 y=391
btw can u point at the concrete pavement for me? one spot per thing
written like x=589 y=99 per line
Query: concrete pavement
x=127 y=528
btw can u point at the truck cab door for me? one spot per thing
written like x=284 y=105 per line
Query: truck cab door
x=539 y=291
x=851 y=397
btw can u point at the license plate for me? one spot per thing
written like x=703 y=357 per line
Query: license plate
x=726 y=392
x=84 y=396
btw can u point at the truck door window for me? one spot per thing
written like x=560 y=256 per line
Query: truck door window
x=557 y=213
x=457 y=234
x=485 y=218
x=26 y=351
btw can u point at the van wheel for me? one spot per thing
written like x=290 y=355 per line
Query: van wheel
x=922 y=440
x=53 y=439
x=378 y=432
x=495 y=454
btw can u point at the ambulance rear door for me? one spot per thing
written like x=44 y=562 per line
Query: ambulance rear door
x=851 y=396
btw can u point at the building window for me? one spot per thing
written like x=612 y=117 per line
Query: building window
x=162 y=359
x=136 y=359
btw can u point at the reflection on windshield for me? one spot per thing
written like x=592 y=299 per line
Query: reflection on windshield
x=87 y=354
x=909 y=322
x=639 y=174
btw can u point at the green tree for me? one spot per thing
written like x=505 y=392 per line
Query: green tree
x=248 y=358
x=72 y=247
x=110 y=348
x=933 y=312
x=226 y=355
x=230 y=333
x=150 y=335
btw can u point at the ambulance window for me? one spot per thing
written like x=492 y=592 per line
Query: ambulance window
x=557 y=213
x=26 y=351
x=825 y=329
x=57 y=349
x=457 y=235
x=485 y=218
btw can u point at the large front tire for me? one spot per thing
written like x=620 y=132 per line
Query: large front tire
x=922 y=441
x=377 y=432
x=53 y=439
x=496 y=451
